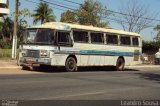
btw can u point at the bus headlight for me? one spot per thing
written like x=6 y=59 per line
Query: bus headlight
x=24 y=52
x=44 y=53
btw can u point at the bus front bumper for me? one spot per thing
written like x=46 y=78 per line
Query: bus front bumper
x=28 y=61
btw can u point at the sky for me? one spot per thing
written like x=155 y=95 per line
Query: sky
x=147 y=34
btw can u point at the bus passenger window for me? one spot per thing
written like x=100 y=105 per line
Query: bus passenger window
x=63 y=38
x=112 y=39
x=80 y=36
x=97 y=38
x=135 y=41
x=125 y=40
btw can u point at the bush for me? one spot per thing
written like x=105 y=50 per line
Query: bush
x=5 y=44
x=150 y=47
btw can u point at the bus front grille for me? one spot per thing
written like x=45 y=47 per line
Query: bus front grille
x=33 y=53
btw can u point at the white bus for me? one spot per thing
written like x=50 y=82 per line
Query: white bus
x=72 y=45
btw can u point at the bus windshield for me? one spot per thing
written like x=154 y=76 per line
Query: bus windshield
x=39 y=36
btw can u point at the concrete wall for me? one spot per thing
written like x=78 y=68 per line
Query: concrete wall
x=4 y=10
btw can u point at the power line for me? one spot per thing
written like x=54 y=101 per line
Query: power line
x=115 y=20
x=62 y=3
x=120 y=12
x=133 y=15
x=50 y=6
x=72 y=2
x=75 y=9
x=57 y=4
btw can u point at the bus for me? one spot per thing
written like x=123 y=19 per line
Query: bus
x=72 y=45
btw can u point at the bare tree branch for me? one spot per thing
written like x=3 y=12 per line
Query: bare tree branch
x=132 y=17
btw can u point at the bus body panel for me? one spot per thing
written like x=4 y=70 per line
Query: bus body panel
x=87 y=54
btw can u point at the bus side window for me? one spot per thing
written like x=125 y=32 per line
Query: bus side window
x=112 y=39
x=125 y=40
x=135 y=41
x=97 y=38
x=80 y=36
x=63 y=38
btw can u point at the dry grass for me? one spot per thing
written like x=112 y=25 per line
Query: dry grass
x=5 y=54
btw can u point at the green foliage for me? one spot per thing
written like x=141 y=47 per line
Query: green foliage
x=5 y=53
x=90 y=13
x=24 y=12
x=43 y=13
x=6 y=33
x=150 y=47
x=5 y=44
x=157 y=27
x=68 y=17
x=158 y=34
x=6 y=29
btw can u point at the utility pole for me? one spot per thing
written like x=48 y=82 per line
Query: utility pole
x=14 y=43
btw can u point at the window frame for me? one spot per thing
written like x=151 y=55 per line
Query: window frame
x=137 y=39
x=112 y=34
x=69 y=43
x=102 y=36
x=88 y=36
x=120 y=36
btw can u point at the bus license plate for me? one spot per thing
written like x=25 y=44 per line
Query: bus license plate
x=30 y=61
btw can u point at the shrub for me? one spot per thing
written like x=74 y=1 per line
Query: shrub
x=5 y=44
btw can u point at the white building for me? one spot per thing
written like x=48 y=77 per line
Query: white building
x=4 y=8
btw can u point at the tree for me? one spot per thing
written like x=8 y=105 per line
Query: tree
x=6 y=29
x=150 y=47
x=23 y=13
x=6 y=32
x=92 y=13
x=134 y=17
x=43 y=13
x=22 y=22
x=68 y=17
x=158 y=34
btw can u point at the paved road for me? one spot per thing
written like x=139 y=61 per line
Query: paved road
x=141 y=83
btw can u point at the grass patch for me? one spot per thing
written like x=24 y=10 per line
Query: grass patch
x=6 y=53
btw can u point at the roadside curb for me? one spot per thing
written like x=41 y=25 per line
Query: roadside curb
x=143 y=66
x=138 y=66
x=11 y=67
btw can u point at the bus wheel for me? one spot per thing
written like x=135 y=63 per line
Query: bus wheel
x=120 y=64
x=25 y=68
x=71 y=64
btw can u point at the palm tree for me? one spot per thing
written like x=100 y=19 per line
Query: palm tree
x=43 y=13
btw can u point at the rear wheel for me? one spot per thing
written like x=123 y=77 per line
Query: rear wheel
x=120 y=64
x=71 y=64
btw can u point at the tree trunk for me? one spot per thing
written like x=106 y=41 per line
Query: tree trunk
x=10 y=37
x=3 y=37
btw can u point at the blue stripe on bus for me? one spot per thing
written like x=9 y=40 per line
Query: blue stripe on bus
x=97 y=52
x=107 y=52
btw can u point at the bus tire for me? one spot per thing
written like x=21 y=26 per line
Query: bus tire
x=71 y=64
x=120 y=64
x=25 y=68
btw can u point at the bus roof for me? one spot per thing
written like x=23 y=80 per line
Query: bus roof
x=69 y=26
